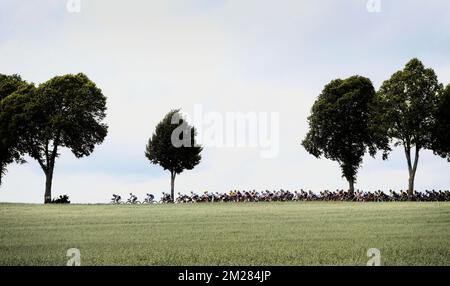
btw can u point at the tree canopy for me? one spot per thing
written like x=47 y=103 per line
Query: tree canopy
x=66 y=111
x=10 y=150
x=441 y=130
x=340 y=126
x=173 y=146
x=409 y=100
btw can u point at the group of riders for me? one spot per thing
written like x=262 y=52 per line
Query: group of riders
x=283 y=195
x=149 y=199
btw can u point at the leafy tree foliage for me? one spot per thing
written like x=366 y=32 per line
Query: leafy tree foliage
x=409 y=103
x=441 y=130
x=173 y=146
x=340 y=125
x=9 y=137
x=66 y=111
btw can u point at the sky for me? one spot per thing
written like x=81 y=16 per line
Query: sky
x=227 y=56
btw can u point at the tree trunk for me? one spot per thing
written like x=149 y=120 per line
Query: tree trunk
x=48 y=186
x=172 y=185
x=412 y=168
x=351 y=185
x=411 y=187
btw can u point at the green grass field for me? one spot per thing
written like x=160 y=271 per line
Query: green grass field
x=309 y=233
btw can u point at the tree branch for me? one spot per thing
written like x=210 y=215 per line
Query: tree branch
x=55 y=149
x=36 y=155
x=408 y=156
x=416 y=160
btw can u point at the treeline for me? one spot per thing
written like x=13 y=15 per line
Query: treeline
x=68 y=112
x=65 y=111
x=350 y=119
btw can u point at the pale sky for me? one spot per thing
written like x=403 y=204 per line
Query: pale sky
x=229 y=56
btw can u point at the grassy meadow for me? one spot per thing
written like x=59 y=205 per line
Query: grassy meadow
x=294 y=233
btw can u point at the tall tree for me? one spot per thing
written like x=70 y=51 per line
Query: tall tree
x=66 y=111
x=173 y=146
x=409 y=102
x=340 y=125
x=441 y=130
x=9 y=136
